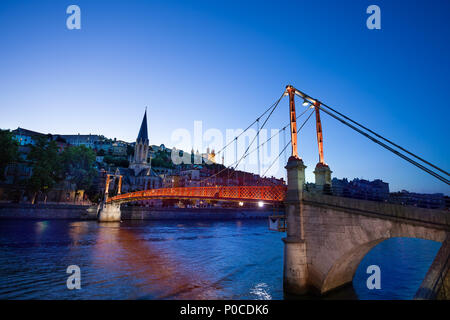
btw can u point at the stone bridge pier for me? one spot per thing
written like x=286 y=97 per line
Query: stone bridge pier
x=327 y=236
x=109 y=212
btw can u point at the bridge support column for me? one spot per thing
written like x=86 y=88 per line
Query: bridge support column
x=323 y=178
x=295 y=271
x=109 y=213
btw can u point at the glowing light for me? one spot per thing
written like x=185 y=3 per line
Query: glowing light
x=241 y=203
x=41 y=226
x=260 y=204
x=305 y=103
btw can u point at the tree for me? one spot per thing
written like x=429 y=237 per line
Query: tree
x=162 y=159
x=116 y=161
x=9 y=151
x=78 y=166
x=46 y=166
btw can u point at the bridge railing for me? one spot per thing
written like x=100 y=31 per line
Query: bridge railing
x=230 y=193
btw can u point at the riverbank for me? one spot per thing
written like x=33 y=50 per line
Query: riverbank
x=45 y=211
x=80 y=212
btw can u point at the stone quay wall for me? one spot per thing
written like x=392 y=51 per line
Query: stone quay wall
x=45 y=211
x=79 y=212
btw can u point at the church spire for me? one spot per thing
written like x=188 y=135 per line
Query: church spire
x=141 y=148
x=143 y=135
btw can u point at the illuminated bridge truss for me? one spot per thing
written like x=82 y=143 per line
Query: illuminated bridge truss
x=269 y=194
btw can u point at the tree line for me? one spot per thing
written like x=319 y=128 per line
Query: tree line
x=50 y=165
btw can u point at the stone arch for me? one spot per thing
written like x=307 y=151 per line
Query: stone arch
x=344 y=267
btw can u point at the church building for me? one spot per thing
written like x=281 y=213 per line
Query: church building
x=139 y=175
x=139 y=161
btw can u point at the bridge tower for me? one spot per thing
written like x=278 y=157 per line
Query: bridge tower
x=110 y=212
x=328 y=236
x=295 y=270
x=322 y=171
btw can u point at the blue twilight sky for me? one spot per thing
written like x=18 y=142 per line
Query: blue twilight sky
x=224 y=62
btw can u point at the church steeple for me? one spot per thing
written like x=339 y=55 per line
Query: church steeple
x=139 y=161
x=143 y=135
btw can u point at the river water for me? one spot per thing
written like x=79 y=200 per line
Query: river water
x=178 y=260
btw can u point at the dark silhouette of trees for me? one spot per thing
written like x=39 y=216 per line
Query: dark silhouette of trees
x=8 y=151
x=46 y=167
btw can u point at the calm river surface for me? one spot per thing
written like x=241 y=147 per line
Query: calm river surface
x=178 y=260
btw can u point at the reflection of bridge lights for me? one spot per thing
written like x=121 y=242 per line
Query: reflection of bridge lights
x=260 y=204
x=41 y=226
x=241 y=203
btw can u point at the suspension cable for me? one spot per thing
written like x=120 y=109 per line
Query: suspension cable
x=264 y=123
x=270 y=138
x=246 y=153
x=287 y=145
x=257 y=119
x=322 y=107
x=385 y=139
x=436 y=175
x=257 y=143
x=282 y=129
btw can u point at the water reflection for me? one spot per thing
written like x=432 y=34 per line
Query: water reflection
x=120 y=250
x=403 y=263
x=177 y=260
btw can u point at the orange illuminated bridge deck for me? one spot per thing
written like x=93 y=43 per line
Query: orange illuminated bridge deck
x=270 y=194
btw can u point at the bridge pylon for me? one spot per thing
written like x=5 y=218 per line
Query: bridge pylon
x=295 y=271
x=109 y=212
x=322 y=171
x=322 y=174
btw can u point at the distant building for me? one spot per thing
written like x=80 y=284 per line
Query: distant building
x=114 y=147
x=26 y=137
x=422 y=200
x=119 y=148
x=87 y=140
x=209 y=157
x=103 y=144
x=212 y=156
x=376 y=190
x=171 y=181
x=158 y=148
x=192 y=174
